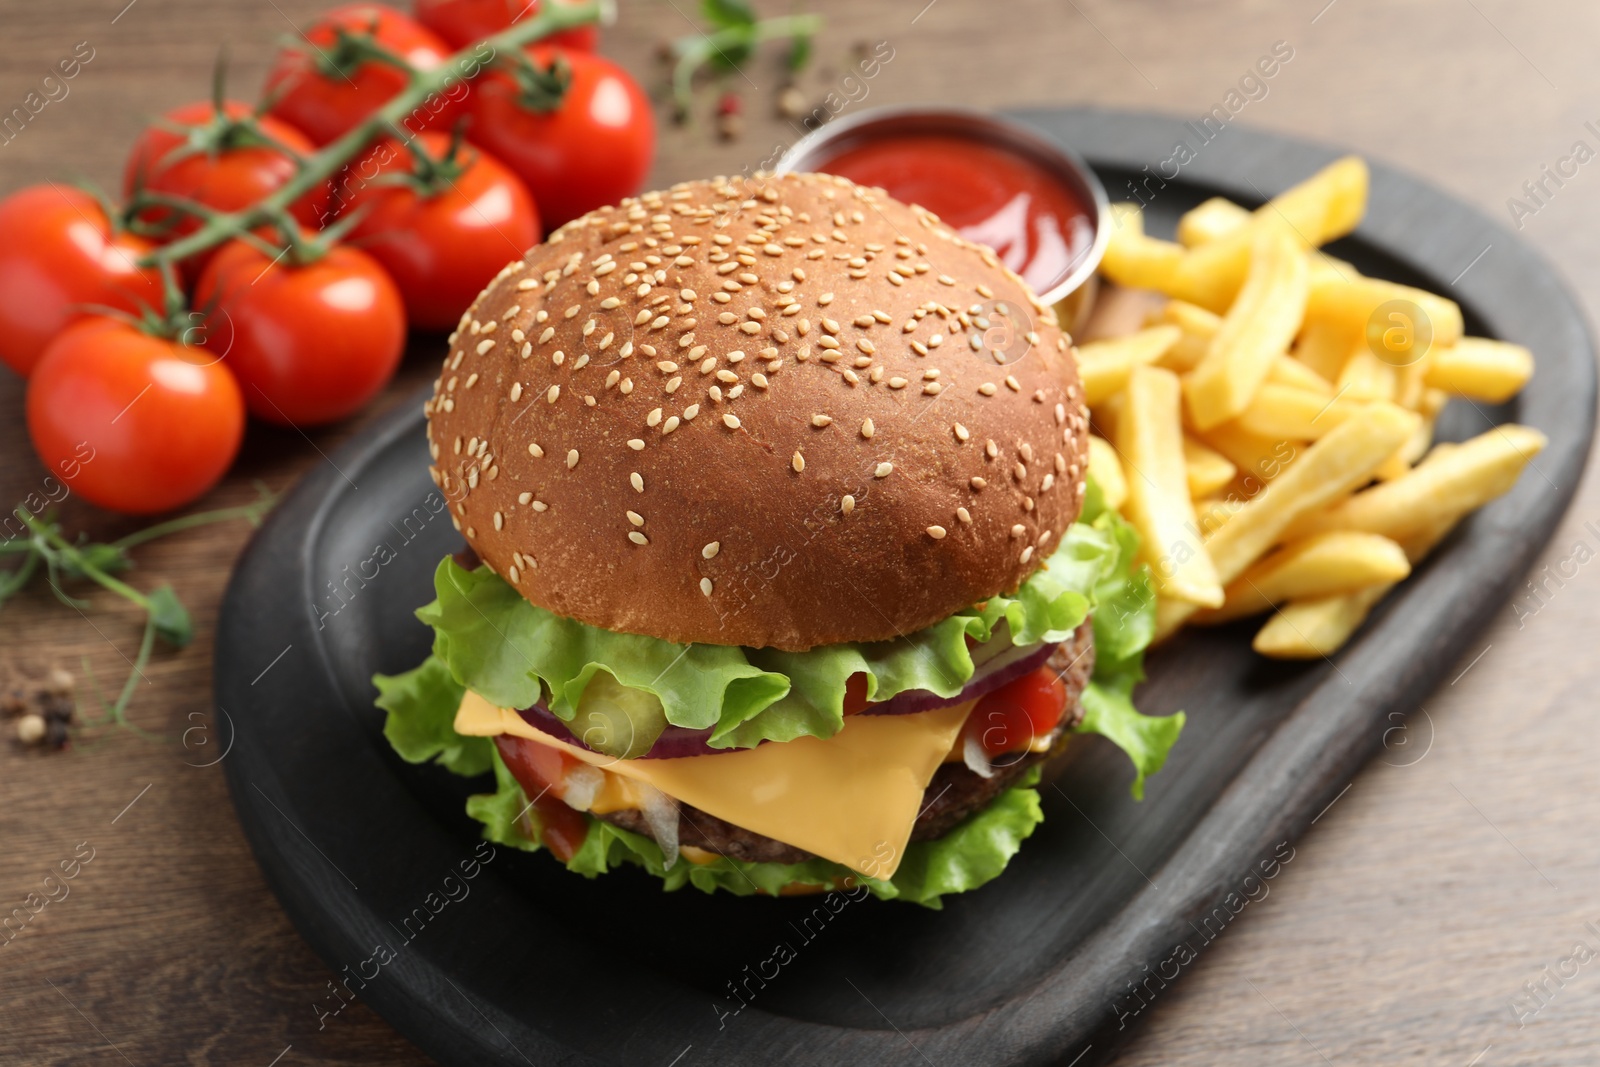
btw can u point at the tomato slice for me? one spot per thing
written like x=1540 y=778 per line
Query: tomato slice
x=542 y=772
x=1019 y=713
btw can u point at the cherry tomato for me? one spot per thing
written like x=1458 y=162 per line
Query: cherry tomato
x=134 y=423
x=593 y=148
x=229 y=175
x=330 y=85
x=1020 y=712
x=542 y=772
x=309 y=344
x=463 y=22
x=59 y=254
x=443 y=242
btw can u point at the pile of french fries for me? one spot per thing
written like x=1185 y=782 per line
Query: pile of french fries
x=1269 y=430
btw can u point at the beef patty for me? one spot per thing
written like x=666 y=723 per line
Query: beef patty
x=955 y=792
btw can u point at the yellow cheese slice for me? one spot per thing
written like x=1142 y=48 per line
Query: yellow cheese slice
x=851 y=798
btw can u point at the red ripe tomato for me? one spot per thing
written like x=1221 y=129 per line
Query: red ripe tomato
x=332 y=84
x=855 y=694
x=230 y=175
x=593 y=148
x=135 y=423
x=541 y=771
x=309 y=344
x=58 y=254
x=1020 y=712
x=463 y=22
x=445 y=238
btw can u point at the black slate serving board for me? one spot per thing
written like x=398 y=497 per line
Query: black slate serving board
x=1052 y=963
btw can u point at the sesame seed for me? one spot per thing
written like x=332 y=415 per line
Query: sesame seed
x=883 y=470
x=535 y=451
x=552 y=393
x=654 y=418
x=636 y=518
x=798 y=462
x=705 y=586
x=758 y=380
x=964 y=515
x=672 y=385
x=991 y=449
x=750 y=327
x=637 y=444
x=936 y=532
x=711 y=550
x=715 y=393
x=977 y=482
x=690 y=412
x=987 y=389
x=1013 y=384
x=540 y=505
x=731 y=421
x=527 y=283
x=524 y=498
x=962 y=434
x=1027 y=554
x=499 y=521
x=1061 y=414
x=897 y=382
x=638 y=538
x=1048 y=483
x=735 y=356
x=821 y=420
x=572 y=458
x=848 y=504
x=549 y=332
x=472 y=532
x=610 y=303
x=626 y=387
x=1018 y=530
x=867 y=429
x=637 y=481
x=825 y=299
x=670 y=425
x=558 y=357
x=516 y=390
x=727 y=376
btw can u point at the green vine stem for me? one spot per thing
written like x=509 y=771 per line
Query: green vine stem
x=318 y=168
x=694 y=52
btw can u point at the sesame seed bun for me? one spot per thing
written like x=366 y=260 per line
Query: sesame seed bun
x=763 y=412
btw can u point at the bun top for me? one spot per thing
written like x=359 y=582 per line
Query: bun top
x=779 y=411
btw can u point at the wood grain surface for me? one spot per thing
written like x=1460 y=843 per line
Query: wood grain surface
x=1453 y=878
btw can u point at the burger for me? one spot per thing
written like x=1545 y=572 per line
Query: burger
x=782 y=570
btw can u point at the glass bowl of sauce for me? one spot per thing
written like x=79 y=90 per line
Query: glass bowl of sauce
x=993 y=181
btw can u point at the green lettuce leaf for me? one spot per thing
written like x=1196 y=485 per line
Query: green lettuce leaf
x=421 y=723
x=514 y=653
x=973 y=853
x=1124 y=623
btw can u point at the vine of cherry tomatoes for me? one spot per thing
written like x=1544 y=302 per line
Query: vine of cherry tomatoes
x=150 y=362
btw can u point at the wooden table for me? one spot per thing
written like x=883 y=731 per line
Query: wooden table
x=1414 y=912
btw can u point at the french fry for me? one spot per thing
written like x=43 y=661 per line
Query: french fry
x=1286 y=370
x=1323 y=347
x=1476 y=367
x=1170 y=616
x=1208 y=469
x=1351 y=303
x=1258 y=459
x=1282 y=412
x=1106 y=470
x=1257 y=328
x=1214 y=511
x=1103 y=366
x=1314 y=629
x=1215 y=218
x=1333 y=466
x=1326 y=268
x=1329 y=470
x=1366 y=377
x=1441 y=488
x=1141 y=262
x=1198 y=326
x=1327 y=205
x=1150 y=440
x=1126 y=216
x=1325 y=565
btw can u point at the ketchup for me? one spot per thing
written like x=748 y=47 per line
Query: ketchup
x=540 y=771
x=989 y=194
